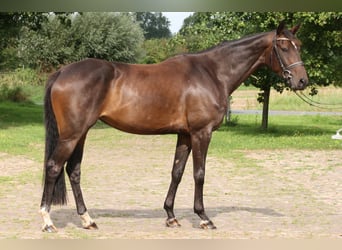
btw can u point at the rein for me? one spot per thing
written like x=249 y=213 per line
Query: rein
x=321 y=105
x=287 y=74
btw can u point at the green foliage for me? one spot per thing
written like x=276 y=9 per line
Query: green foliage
x=206 y=29
x=10 y=26
x=109 y=36
x=9 y=59
x=154 y=24
x=321 y=35
x=22 y=77
x=20 y=85
x=13 y=94
x=157 y=50
x=46 y=47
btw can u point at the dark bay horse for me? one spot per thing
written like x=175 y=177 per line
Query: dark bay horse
x=184 y=95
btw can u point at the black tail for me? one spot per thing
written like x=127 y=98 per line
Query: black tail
x=51 y=139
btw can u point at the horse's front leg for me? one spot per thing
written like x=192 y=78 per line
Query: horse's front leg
x=183 y=149
x=200 y=143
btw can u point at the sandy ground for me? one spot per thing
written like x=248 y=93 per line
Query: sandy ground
x=287 y=194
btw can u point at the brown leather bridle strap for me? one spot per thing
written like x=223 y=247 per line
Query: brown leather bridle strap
x=287 y=74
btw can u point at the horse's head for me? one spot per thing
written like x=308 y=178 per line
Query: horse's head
x=285 y=58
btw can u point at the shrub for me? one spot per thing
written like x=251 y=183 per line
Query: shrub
x=21 y=77
x=14 y=94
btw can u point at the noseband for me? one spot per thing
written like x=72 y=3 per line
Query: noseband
x=287 y=74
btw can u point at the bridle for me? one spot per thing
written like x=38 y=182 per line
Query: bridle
x=287 y=74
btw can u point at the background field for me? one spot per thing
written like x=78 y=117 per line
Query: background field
x=280 y=183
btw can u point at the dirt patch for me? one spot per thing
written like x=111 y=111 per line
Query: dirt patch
x=282 y=194
x=13 y=165
x=318 y=172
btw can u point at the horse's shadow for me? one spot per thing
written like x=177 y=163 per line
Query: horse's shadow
x=62 y=217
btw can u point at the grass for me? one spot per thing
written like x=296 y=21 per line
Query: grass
x=245 y=98
x=295 y=132
x=21 y=129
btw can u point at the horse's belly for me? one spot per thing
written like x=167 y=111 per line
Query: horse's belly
x=144 y=122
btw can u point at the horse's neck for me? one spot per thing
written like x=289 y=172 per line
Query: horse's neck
x=239 y=59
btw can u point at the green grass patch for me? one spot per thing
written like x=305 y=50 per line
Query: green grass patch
x=21 y=129
x=285 y=132
x=5 y=179
x=327 y=99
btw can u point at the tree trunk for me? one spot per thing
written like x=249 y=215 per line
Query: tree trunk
x=265 y=108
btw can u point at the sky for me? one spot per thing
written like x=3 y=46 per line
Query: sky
x=176 y=19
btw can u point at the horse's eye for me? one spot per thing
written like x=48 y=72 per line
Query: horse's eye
x=284 y=49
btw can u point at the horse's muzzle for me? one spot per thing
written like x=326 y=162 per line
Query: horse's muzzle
x=297 y=85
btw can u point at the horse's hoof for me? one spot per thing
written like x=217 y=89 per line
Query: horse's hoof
x=49 y=229
x=92 y=226
x=172 y=223
x=207 y=224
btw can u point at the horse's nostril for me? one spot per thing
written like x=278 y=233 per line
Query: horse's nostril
x=302 y=81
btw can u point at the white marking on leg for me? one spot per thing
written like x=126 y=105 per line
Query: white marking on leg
x=86 y=220
x=204 y=223
x=46 y=218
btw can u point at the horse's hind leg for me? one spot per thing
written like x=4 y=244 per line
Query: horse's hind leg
x=73 y=169
x=182 y=153
x=54 y=184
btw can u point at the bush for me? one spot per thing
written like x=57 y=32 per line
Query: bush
x=13 y=94
x=22 y=76
x=103 y=35
x=14 y=86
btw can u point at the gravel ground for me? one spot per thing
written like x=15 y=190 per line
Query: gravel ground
x=286 y=194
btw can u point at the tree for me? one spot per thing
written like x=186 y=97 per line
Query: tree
x=47 y=47
x=206 y=29
x=10 y=26
x=157 y=50
x=321 y=35
x=109 y=36
x=154 y=24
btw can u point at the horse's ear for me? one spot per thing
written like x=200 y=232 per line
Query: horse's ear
x=295 y=29
x=281 y=27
